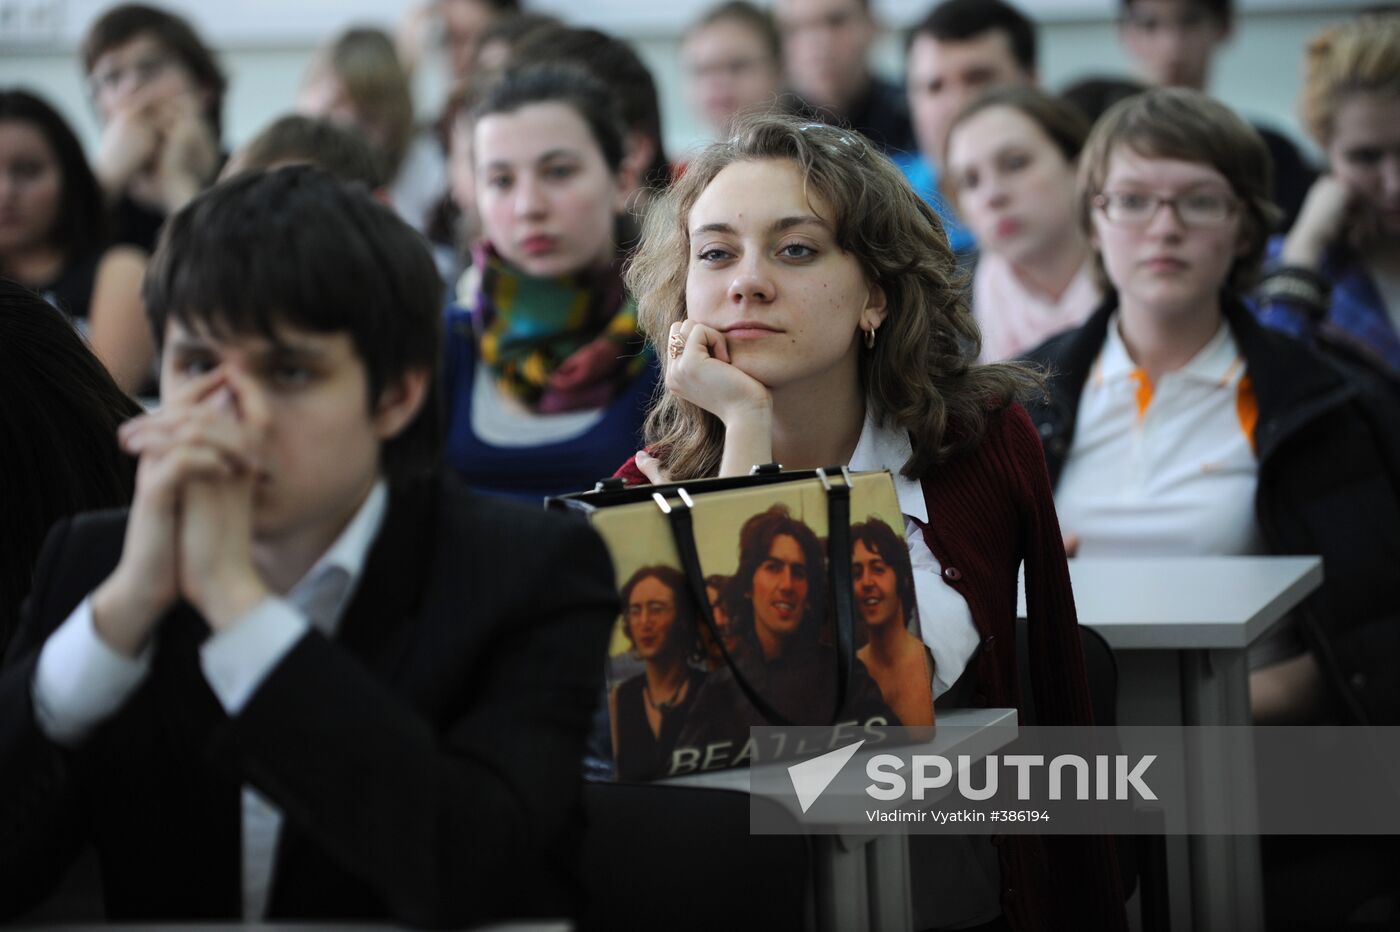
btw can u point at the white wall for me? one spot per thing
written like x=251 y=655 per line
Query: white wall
x=1259 y=72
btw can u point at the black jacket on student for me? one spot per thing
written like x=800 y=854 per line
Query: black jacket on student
x=1328 y=446
x=425 y=761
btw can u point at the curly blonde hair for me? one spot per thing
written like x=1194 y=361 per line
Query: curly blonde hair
x=922 y=375
x=1358 y=56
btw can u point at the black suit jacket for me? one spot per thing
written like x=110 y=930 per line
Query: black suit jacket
x=426 y=762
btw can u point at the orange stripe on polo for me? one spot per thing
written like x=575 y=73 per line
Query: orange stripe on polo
x=1247 y=409
x=1144 y=391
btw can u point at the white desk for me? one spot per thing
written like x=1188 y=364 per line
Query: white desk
x=1180 y=629
x=861 y=882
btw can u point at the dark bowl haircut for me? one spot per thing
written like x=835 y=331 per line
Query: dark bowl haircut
x=81 y=224
x=296 y=247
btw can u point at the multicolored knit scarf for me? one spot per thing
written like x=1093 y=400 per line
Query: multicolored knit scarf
x=557 y=344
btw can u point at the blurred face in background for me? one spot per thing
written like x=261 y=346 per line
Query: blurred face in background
x=1364 y=153
x=943 y=77
x=463 y=22
x=140 y=72
x=323 y=96
x=547 y=199
x=1172 y=41
x=31 y=187
x=1013 y=185
x=825 y=44
x=729 y=69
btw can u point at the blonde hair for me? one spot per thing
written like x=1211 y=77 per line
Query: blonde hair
x=365 y=63
x=921 y=375
x=1178 y=123
x=1358 y=56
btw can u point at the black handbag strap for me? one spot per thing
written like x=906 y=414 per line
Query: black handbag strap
x=683 y=530
x=838 y=561
x=838 y=497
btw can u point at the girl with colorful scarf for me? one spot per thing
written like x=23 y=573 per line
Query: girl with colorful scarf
x=547 y=379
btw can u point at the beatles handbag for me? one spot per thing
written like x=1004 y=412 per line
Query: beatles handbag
x=779 y=598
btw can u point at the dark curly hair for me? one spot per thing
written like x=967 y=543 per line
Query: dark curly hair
x=755 y=544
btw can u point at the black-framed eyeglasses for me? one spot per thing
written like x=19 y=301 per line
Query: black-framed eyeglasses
x=1197 y=209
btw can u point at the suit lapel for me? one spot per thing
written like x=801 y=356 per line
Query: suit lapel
x=376 y=629
x=394 y=581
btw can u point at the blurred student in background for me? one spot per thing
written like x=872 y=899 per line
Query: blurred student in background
x=1174 y=44
x=457 y=26
x=546 y=378
x=960 y=49
x=733 y=63
x=1011 y=161
x=159 y=95
x=1336 y=282
x=53 y=226
x=614 y=62
x=826 y=50
x=357 y=81
x=299 y=140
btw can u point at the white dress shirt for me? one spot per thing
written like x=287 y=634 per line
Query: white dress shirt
x=945 y=619
x=81 y=681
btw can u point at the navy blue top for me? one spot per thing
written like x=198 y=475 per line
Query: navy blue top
x=534 y=472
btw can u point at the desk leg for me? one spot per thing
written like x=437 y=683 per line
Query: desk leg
x=887 y=864
x=841 y=883
x=1226 y=871
x=1149 y=693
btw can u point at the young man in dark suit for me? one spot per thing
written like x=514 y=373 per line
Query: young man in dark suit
x=301 y=677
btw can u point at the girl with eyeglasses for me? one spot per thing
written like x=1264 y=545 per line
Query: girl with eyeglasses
x=158 y=93
x=1176 y=425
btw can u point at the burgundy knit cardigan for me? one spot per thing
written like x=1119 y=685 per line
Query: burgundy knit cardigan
x=990 y=509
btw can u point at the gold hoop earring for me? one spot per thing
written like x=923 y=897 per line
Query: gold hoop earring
x=870 y=339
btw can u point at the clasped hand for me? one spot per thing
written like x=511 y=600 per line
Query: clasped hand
x=163 y=134
x=190 y=530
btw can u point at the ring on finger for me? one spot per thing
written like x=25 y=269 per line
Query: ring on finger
x=676 y=346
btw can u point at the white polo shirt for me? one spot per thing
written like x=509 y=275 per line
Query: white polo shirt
x=1167 y=469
